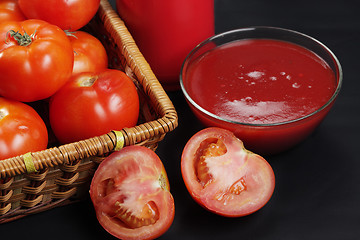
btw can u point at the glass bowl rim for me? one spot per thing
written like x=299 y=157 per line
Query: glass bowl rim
x=338 y=75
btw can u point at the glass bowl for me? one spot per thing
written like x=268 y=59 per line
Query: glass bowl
x=262 y=138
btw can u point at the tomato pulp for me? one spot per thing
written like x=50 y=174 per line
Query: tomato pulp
x=166 y=31
x=261 y=81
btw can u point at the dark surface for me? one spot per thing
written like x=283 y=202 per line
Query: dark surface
x=317 y=193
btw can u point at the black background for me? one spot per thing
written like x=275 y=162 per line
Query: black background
x=317 y=193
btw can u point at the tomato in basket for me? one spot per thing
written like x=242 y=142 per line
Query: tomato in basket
x=22 y=130
x=89 y=53
x=222 y=176
x=10 y=11
x=36 y=59
x=68 y=15
x=131 y=194
x=92 y=104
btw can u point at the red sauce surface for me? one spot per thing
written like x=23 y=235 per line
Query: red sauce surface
x=260 y=81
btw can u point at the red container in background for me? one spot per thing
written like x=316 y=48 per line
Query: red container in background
x=166 y=30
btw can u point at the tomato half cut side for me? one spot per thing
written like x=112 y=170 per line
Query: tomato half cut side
x=224 y=177
x=131 y=194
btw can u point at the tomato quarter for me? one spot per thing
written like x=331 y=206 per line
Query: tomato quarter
x=92 y=104
x=21 y=129
x=131 y=194
x=222 y=176
x=36 y=59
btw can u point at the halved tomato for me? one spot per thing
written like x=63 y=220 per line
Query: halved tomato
x=224 y=177
x=131 y=194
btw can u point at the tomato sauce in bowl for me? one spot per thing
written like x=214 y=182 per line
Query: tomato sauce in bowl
x=268 y=88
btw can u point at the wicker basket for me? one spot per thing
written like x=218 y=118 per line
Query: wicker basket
x=60 y=175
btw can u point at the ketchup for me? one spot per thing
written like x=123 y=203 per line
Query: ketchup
x=260 y=81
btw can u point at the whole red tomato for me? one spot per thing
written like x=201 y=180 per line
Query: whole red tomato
x=131 y=194
x=36 y=59
x=222 y=176
x=68 y=15
x=89 y=53
x=92 y=104
x=10 y=11
x=21 y=129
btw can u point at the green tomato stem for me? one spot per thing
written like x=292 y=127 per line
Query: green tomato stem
x=22 y=40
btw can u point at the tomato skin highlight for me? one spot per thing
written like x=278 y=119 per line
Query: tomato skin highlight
x=10 y=11
x=68 y=15
x=36 y=71
x=89 y=53
x=21 y=129
x=133 y=180
x=230 y=181
x=92 y=104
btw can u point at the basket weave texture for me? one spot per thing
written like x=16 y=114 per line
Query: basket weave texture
x=60 y=175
